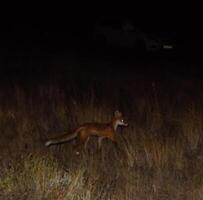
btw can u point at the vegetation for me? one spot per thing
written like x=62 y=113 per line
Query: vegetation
x=161 y=152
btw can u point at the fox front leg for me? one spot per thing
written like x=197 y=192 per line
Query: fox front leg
x=100 y=142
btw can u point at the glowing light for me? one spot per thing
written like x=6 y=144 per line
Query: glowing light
x=167 y=46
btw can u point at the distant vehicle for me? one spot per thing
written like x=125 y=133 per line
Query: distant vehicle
x=124 y=34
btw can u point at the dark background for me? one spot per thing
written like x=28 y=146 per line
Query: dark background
x=55 y=33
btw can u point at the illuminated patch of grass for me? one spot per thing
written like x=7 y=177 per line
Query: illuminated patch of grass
x=38 y=177
x=154 y=160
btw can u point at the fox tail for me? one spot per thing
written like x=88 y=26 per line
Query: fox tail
x=61 y=139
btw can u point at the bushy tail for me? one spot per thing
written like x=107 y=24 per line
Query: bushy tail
x=61 y=139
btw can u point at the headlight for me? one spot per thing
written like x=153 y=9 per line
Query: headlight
x=167 y=46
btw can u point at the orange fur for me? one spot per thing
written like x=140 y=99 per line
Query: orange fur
x=84 y=132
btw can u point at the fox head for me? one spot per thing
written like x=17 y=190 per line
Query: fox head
x=118 y=120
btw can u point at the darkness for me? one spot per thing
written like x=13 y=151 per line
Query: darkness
x=59 y=35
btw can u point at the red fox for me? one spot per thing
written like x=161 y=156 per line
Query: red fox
x=84 y=132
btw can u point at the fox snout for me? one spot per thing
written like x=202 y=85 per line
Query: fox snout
x=123 y=123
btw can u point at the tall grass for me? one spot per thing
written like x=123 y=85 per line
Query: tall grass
x=160 y=156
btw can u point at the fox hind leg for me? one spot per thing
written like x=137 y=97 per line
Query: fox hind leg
x=86 y=142
x=82 y=140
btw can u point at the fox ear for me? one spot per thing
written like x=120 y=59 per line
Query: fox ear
x=117 y=113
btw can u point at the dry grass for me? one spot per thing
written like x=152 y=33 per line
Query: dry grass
x=161 y=157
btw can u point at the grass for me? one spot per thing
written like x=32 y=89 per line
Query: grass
x=161 y=153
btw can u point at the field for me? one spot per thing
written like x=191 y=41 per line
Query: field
x=160 y=154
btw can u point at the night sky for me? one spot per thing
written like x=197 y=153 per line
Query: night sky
x=73 y=31
x=187 y=28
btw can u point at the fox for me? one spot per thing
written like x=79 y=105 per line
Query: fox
x=85 y=131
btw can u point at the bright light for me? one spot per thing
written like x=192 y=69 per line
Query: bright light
x=167 y=46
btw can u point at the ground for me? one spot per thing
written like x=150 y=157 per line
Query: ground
x=46 y=93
